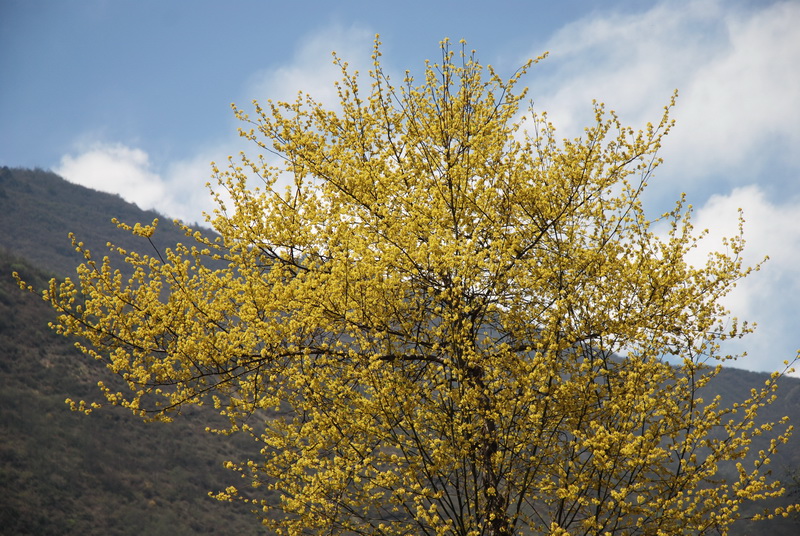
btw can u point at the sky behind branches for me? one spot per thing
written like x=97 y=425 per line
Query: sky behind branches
x=133 y=97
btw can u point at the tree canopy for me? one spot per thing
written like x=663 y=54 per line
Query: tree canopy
x=436 y=317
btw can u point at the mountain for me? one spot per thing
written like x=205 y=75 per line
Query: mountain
x=109 y=473
x=40 y=209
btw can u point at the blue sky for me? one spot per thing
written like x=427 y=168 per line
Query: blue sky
x=133 y=97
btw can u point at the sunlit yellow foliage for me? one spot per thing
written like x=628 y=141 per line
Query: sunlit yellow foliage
x=449 y=322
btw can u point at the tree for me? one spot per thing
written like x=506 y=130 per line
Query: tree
x=445 y=324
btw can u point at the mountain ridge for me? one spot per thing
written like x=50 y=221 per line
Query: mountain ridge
x=40 y=209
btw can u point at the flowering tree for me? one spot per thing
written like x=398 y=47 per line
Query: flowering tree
x=445 y=324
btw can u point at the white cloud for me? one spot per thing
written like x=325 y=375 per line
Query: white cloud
x=311 y=68
x=741 y=109
x=189 y=179
x=632 y=62
x=735 y=65
x=178 y=189
x=767 y=297
x=177 y=192
x=118 y=169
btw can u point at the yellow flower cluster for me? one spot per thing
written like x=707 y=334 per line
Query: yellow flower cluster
x=444 y=324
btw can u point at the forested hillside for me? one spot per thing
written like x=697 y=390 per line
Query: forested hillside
x=40 y=209
x=68 y=473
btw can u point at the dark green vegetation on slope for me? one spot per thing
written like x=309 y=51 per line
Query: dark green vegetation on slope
x=40 y=209
x=109 y=473
x=67 y=473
